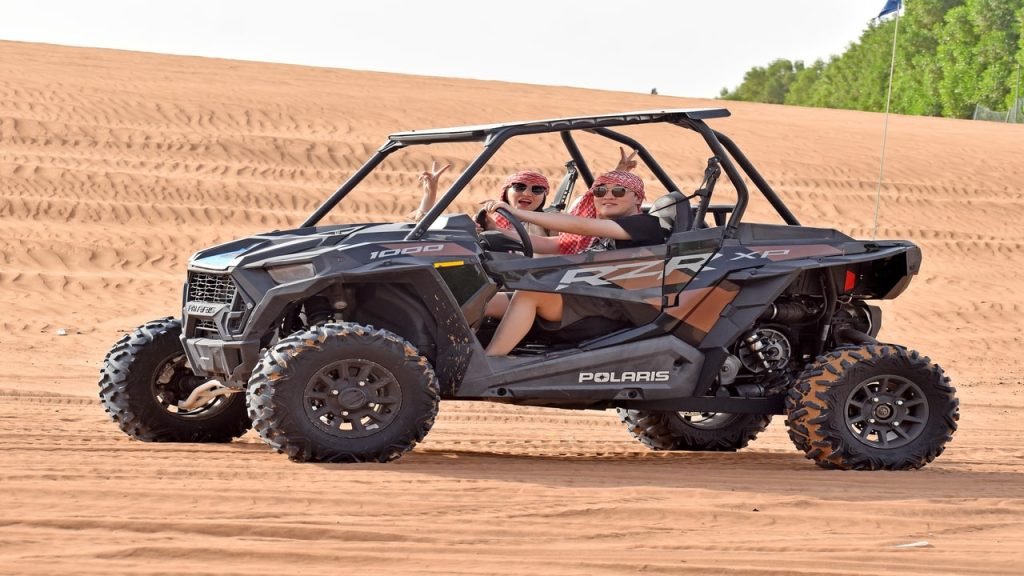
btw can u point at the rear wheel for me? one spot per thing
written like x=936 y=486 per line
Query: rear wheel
x=877 y=407
x=143 y=378
x=343 y=393
x=694 y=431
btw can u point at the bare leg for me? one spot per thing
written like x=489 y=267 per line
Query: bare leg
x=497 y=305
x=522 y=311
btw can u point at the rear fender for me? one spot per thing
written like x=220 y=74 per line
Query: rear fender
x=881 y=272
x=882 y=278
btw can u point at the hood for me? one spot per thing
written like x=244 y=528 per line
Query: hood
x=272 y=245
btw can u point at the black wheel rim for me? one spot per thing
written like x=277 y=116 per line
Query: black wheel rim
x=887 y=411
x=706 y=420
x=353 y=398
x=173 y=382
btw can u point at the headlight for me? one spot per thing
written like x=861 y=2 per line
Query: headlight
x=291 y=272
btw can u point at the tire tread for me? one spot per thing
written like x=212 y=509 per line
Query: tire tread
x=816 y=429
x=277 y=425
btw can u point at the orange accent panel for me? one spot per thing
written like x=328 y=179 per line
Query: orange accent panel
x=678 y=277
x=710 y=307
x=688 y=299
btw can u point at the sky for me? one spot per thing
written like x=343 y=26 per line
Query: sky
x=681 y=47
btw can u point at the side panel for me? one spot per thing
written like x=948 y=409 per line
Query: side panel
x=631 y=274
x=662 y=367
x=690 y=279
x=650 y=275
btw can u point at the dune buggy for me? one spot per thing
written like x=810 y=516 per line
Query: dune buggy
x=337 y=342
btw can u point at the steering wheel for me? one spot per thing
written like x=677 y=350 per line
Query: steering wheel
x=494 y=240
x=517 y=225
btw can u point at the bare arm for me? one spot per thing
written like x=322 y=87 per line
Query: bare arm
x=544 y=244
x=541 y=244
x=428 y=180
x=563 y=222
x=573 y=224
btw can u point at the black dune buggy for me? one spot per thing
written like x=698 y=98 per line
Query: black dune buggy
x=337 y=342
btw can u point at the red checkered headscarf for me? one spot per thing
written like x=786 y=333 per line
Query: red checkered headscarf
x=528 y=177
x=584 y=208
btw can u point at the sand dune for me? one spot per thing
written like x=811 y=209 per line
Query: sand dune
x=116 y=166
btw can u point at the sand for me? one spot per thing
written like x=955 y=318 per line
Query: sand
x=116 y=166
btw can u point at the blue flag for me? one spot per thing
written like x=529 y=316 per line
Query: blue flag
x=890 y=7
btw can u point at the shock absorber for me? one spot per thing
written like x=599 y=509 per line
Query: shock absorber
x=756 y=347
x=318 y=310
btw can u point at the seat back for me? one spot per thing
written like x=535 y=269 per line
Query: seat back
x=673 y=211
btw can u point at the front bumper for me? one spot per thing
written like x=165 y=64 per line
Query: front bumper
x=231 y=362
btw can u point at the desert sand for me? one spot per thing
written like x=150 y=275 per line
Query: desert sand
x=116 y=166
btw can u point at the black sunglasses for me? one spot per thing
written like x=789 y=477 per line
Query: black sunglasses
x=617 y=191
x=536 y=190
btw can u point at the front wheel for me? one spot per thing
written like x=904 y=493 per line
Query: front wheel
x=343 y=393
x=694 y=431
x=143 y=378
x=876 y=407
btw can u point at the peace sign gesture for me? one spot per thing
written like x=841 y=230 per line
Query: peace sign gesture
x=428 y=178
x=626 y=163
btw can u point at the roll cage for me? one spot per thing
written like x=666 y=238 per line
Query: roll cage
x=493 y=136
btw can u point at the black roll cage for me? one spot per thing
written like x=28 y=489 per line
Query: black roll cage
x=494 y=136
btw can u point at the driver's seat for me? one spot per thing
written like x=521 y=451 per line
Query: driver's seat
x=673 y=212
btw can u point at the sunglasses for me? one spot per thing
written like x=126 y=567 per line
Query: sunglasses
x=617 y=191
x=535 y=190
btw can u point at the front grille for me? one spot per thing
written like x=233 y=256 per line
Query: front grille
x=207 y=327
x=212 y=288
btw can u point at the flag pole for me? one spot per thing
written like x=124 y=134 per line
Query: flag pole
x=885 y=128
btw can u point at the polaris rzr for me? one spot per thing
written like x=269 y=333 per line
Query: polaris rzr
x=337 y=342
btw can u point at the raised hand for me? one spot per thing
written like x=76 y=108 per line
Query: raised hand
x=429 y=178
x=428 y=181
x=626 y=163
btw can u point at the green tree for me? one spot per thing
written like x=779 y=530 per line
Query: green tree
x=951 y=55
x=802 y=89
x=977 y=55
x=955 y=55
x=766 y=84
x=1013 y=99
x=917 y=76
x=858 y=78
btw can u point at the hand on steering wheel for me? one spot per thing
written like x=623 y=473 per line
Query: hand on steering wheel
x=502 y=208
